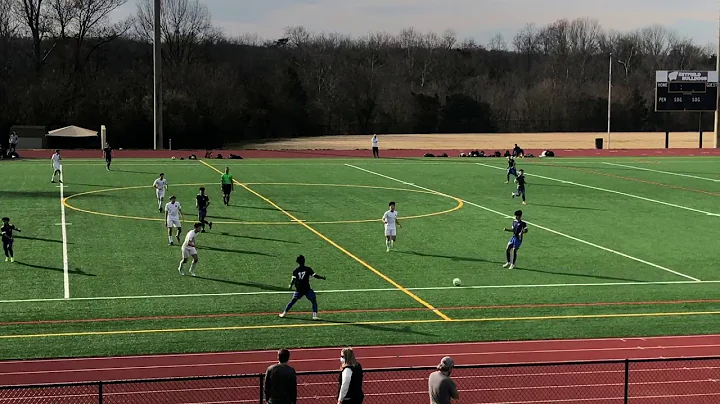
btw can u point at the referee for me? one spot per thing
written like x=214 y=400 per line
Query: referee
x=227 y=184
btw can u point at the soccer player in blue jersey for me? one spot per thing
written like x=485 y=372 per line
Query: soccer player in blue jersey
x=510 y=169
x=301 y=281
x=520 y=186
x=519 y=228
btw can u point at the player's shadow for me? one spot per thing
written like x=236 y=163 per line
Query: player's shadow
x=450 y=257
x=265 y=208
x=259 y=238
x=41 y=239
x=373 y=327
x=87 y=185
x=131 y=171
x=237 y=251
x=569 y=207
x=255 y=285
x=10 y=194
x=76 y=271
x=583 y=275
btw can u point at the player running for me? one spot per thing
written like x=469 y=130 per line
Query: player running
x=390 y=219
x=520 y=180
x=519 y=228
x=107 y=153
x=160 y=186
x=173 y=215
x=228 y=185
x=189 y=250
x=7 y=238
x=57 y=167
x=202 y=201
x=511 y=169
x=301 y=281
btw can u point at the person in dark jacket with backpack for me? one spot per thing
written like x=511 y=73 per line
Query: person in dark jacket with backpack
x=350 y=380
x=281 y=381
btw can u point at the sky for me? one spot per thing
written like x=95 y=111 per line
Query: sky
x=478 y=19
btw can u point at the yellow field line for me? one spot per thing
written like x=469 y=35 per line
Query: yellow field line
x=387 y=322
x=336 y=245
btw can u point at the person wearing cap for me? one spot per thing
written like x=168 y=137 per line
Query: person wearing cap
x=440 y=386
x=281 y=381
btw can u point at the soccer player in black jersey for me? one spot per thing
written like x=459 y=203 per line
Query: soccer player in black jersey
x=511 y=169
x=520 y=180
x=107 y=153
x=7 y=238
x=301 y=281
x=202 y=201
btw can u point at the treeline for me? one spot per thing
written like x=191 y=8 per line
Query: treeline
x=64 y=62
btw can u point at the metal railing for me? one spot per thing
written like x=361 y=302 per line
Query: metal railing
x=680 y=380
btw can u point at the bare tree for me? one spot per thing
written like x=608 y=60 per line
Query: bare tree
x=184 y=25
x=497 y=43
x=61 y=13
x=32 y=15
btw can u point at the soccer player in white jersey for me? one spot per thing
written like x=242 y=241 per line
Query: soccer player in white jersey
x=57 y=166
x=173 y=215
x=188 y=249
x=160 y=186
x=390 y=219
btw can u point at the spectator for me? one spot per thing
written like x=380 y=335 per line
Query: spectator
x=281 y=381
x=375 y=148
x=351 y=378
x=441 y=387
x=517 y=151
x=13 y=142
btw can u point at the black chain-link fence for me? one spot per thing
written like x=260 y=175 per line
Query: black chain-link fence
x=691 y=381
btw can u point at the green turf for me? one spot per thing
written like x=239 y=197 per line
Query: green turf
x=617 y=239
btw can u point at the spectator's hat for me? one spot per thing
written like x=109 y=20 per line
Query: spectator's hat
x=446 y=363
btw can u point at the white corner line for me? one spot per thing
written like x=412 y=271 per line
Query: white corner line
x=540 y=227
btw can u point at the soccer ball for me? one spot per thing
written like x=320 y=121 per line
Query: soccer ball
x=172 y=158
x=457 y=282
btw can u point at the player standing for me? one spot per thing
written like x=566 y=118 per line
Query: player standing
x=301 y=281
x=202 y=201
x=520 y=180
x=107 y=153
x=519 y=228
x=173 y=215
x=390 y=219
x=160 y=186
x=188 y=250
x=7 y=239
x=511 y=169
x=228 y=185
x=57 y=167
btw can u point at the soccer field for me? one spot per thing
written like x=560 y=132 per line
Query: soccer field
x=616 y=247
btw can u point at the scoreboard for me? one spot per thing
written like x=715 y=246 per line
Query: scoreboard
x=685 y=91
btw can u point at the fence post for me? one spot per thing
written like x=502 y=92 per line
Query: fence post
x=262 y=388
x=100 y=392
x=627 y=380
x=667 y=139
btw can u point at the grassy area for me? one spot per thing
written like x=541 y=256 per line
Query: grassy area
x=614 y=249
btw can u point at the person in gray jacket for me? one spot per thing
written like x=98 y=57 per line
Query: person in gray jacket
x=281 y=381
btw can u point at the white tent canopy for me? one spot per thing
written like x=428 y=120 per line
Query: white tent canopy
x=72 y=132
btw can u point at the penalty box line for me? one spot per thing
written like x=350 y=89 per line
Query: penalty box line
x=536 y=225
x=336 y=245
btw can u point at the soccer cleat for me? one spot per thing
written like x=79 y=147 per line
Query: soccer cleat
x=171 y=243
x=507 y=264
x=512 y=266
x=388 y=249
x=507 y=182
x=524 y=203
x=178 y=238
x=160 y=210
x=181 y=271
x=53 y=181
x=315 y=317
x=7 y=259
x=210 y=225
x=283 y=314
x=192 y=273
x=513 y=195
x=12 y=259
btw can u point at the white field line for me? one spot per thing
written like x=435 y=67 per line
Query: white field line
x=536 y=225
x=530 y=286
x=662 y=172
x=63 y=226
x=609 y=191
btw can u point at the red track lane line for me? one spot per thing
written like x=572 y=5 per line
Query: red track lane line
x=326 y=352
x=384 y=310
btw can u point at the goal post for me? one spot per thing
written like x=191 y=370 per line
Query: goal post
x=103 y=136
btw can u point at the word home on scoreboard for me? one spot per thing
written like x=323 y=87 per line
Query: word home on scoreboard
x=685 y=90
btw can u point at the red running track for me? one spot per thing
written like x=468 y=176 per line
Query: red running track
x=650 y=382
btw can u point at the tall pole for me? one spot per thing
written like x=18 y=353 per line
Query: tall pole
x=717 y=104
x=157 y=80
x=609 y=107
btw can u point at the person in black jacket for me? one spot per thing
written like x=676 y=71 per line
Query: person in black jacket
x=281 y=381
x=350 y=380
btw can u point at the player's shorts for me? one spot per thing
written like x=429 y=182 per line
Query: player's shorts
x=188 y=252
x=173 y=222
x=515 y=242
x=310 y=294
x=202 y=213
x=7 y=243
x=227 y=188
x=521 y=190
x=512 y=171
x=57 y=167
x=390 y=231
x=160 y=193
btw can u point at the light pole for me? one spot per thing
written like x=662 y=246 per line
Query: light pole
x=717 y=103
x=157 y=79
x=609 y=107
